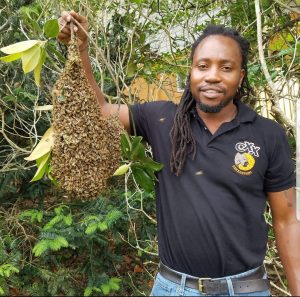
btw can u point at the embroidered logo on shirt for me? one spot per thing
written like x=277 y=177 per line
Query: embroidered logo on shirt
x=244 y=160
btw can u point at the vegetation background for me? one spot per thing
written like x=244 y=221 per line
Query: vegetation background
x=108 y=246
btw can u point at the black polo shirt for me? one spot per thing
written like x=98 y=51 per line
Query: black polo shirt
x=210 y=218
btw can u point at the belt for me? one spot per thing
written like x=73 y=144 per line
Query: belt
x=253 y=282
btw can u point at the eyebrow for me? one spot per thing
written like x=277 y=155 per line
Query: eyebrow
x=222 y=60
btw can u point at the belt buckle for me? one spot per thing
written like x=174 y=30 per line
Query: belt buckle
x=201 y=285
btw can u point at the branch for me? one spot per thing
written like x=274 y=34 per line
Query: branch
x=10 y=142
x=287 y=7
x=3 y=27
x=102 y=56
x=289 y=23
x=275 y=107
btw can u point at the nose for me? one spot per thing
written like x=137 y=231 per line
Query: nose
x=212 y=75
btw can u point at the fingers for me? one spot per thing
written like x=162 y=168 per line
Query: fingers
x=79 y=21
x=64 y=37
x=79 y=18
x=67 y=16
x=80 y=26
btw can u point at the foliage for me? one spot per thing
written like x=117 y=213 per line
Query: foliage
x=141 y=166
x=53 y=247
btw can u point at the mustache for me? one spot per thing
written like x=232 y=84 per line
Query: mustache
x=211 y=87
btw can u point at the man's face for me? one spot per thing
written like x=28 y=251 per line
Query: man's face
x=216 y=72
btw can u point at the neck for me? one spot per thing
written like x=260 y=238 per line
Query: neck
x=227 y=114
x=214 y=120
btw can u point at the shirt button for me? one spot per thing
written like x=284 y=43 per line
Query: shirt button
x=205 y=128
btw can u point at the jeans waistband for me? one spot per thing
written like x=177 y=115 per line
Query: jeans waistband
x=242 y=274
x=250 y=281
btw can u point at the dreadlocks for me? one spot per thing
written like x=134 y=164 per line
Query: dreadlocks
x=183 y=142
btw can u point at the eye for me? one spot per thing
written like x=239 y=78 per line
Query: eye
x=227 y=68
x=202 y=66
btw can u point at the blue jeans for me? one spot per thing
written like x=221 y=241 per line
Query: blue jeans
x=164 y=287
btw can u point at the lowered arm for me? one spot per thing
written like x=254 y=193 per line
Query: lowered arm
x=287 y=234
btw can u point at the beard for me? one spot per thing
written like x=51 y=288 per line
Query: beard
x=212 y=108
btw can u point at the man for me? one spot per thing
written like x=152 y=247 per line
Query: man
x=221 y=161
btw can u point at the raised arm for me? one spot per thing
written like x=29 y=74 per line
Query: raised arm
x=64 y=36
x=287 y=234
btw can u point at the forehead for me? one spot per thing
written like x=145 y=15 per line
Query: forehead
x=216 y=48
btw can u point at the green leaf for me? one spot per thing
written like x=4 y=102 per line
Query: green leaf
x=114 y=283
x=57 y=243
x=28 y=213
x=122 y=169
x=91 y=218
x=139 y=2
x=1 y=291
x=11 y=57
x=40 y=247
x=113 y=216
x=19 y=46
x=143 y=179
x=39 y=216
x=58 y=55
x=149 y=171
x=7 y=269
x=91 y=228
x=28 y=95
x=38 y=68
x=43 y=147
x=102 y=226
x=131 y=69
x=274 y=74
x=114 y=286
x=14 y=269
x=142 y=37
x=138 y=149
x=68 y=220
x=51 y=28
x=105 y=289
x=30 y=58
x=53 y=222
x=35 y=25
x=33 y=214
x=62 y=241
x=53 y=180
x=279 y=42
x=54 y=245
x=136 y=140
x=88 y=291
x=284 y=52
x=42 y=166
x=149 y=163
x=125 y=145
x=59 y=210
x=147 y=69
x=115 y=280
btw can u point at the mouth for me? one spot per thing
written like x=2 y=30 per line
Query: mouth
x=211 y=92
x=211 y=89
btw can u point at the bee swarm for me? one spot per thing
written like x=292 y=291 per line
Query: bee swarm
x=86 y=150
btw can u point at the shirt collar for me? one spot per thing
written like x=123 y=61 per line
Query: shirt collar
x=245 y=114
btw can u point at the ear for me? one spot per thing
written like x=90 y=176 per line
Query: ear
x=242 y=75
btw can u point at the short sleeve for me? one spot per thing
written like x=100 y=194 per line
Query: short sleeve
x=280 y=174
x=145 y=118
x=139 y=124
